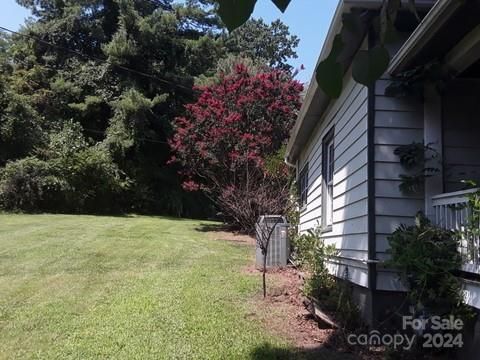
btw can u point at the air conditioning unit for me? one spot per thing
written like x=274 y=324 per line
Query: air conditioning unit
x=279 y=247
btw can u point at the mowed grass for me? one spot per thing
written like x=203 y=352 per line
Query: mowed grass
x=83 y=287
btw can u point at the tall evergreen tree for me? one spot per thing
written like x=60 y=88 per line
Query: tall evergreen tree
x=270 y=44
x=120 y=68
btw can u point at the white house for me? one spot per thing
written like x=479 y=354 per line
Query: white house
x=343 y=149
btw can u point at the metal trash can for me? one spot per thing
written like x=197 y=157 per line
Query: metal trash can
x=279 y=247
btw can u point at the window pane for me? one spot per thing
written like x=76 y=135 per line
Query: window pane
x=328 y=159
x=303 y=186
x=330 y=205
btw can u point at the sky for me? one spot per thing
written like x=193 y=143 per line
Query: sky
x=308 y=19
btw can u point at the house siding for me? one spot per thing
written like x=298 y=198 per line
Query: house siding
x=397 y=121
x=349 y=233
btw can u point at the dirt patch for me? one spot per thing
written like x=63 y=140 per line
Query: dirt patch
x=283 y=311
x=232 y=237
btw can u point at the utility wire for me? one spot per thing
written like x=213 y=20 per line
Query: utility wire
x=93 y=130
x=143 y=139
x=91 y=57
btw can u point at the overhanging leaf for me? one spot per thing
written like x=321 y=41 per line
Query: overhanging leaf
x=235 y=13
x=388 y=16
x=329 y=75
x=383 y=21
x=337 y=47
x=391 y=34
x=369 y=65
x=282 y=4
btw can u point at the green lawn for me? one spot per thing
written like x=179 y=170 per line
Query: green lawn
x=80 y=287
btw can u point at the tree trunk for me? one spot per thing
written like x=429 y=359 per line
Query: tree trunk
x=264 y=272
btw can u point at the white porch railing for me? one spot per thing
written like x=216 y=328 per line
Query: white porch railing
x=451 y=212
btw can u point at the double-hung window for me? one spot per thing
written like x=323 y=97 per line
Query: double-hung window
x=303 y=186
x=328 y=159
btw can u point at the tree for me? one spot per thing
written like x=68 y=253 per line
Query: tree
x=226 y=137
x=267 y=191
x=269 y=44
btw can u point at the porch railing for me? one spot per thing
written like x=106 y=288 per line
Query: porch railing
x=451 y=211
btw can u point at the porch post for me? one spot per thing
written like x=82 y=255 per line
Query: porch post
x=433 y=137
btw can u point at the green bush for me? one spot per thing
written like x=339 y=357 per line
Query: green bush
x=334 y=295
x=30 y=184
x=74 y=177
x=95 y=182
x=311 y=253
x=428 y=258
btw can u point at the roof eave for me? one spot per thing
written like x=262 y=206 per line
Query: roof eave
x=438 y=15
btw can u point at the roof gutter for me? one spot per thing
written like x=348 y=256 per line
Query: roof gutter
x=426 y=30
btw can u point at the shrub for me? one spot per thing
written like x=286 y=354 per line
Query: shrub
x=427 y=258
x=30 y=184
x=334 y=295
x=75 y=177
x=313 y=254
x=95 y=183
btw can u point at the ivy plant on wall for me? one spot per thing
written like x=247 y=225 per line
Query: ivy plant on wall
x=421 y=162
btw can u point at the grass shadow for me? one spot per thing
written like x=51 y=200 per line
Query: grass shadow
x=126 y=215
x=209 y=227
x=268 y=352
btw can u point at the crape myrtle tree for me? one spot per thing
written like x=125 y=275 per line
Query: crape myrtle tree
x=227 y=138
x=231 y=145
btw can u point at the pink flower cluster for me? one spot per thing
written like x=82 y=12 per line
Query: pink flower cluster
x=235 y=124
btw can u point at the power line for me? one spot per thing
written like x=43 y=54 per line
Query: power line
x=143 y=139
x=93 y=130
x=91 y=57
x=103 y=132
